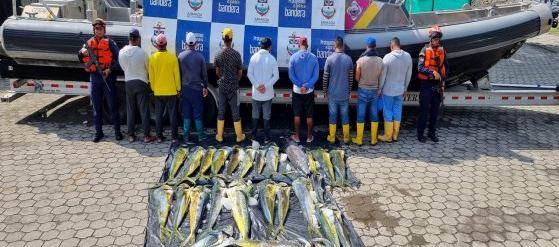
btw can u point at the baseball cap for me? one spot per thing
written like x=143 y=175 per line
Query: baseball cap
x=98 y=21
x=371 y=41
x=134 y=33
x=190 y=38
x=227 y=33
x=160 y=40
x=303 y=41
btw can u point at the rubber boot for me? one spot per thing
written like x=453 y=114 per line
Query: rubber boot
x=239 y=131
x=254 y=128
x=186 y=130
x=358 y=140
x=374 y=133
x=200 y=129
x=332 y=133
x=219 y=130
x=396 y=131
x=266 y=131
x=388 y=130
x=345 y=130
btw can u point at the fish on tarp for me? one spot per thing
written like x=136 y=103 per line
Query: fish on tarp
x=180 y=206
x=283 y=193
x=219 y=159
x=267 y=199
x=326 y=218
x=339 y=164
x=198 y=199
x=193 y=161
x=313 y=165
x=213 y=237
x=237 y=156
x=179 y=156
x=260 y=161
x=246 y=164
x=216 y=197
x=162 y=197
x=272 y=157
x=323 y=158
x=307 y=199
x=255 y=243
x=207 y=160
x=299 y=160
x=343 y=235
x=239 y=209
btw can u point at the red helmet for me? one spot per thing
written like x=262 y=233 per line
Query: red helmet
x=435 y=32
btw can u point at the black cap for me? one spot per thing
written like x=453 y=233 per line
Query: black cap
x=265 y=42
x=134 y=33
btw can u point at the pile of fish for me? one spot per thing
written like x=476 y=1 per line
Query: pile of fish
x=253 y=196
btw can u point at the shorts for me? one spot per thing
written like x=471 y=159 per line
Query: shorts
x=303 y=104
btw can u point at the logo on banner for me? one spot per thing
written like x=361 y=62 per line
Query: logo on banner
x=327 y=49
x=262 y=7
x=328 y=10
x=231 y=7
x=354 y=10
x=254 y=46
x=195 y=4
x=157 y=29
x=293 y=44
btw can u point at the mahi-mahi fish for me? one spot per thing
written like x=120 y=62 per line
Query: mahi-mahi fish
x=207 y=160
x=162 y=197
x=239 y=210
x=198 y=199
x=219 y=159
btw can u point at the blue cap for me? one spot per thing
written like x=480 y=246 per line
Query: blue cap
x=371 y=41
x=134 y=33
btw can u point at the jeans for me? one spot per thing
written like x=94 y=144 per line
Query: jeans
x=99 y=91
x=192 y=103
x=367 y=97
x=429 y=104
x=262 y=106
x=169 y=103
x=231 y=100
x=392 y=108
x=343 y=107
x=137 y=98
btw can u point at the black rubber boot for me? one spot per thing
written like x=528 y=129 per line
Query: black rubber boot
x=98 y=137
x=254 y=127
x=266 y=131
x=433 y=137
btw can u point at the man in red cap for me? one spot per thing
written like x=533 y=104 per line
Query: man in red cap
x=101 y=77
x=433 y=70
x=165 y=81
x=303 y=73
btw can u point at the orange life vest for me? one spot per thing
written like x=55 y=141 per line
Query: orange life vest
x=102 y=51
x=431 y=62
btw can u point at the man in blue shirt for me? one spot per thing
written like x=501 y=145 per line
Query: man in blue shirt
x=303 y=73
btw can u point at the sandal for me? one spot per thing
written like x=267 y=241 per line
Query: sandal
x=295 y=138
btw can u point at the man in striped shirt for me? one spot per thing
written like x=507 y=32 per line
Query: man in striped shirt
x=337 y=82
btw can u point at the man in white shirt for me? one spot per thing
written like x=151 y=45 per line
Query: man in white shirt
x=134 y=61
x=263 y=73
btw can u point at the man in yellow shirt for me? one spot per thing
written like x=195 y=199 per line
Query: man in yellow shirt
x=165 y=81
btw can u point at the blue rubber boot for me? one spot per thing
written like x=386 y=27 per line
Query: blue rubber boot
x=186 y=129
x=200 y=129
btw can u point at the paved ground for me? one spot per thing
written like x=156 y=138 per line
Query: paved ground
x=493 y=180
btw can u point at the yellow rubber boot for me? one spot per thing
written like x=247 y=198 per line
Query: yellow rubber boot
x=396 y=131
x=332 y=133
x=374 y=133
x=345 y=130
x=239 y=131
x=388 y=130
x=359 y=136
x=219 y=131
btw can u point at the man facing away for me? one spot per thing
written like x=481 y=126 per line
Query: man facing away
x=164 y=76
x=394 y=83
x=303 y=73
x=263 y=73
x=337 y=82
x=194 y=78
x=134 y=61
x=229 y=69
